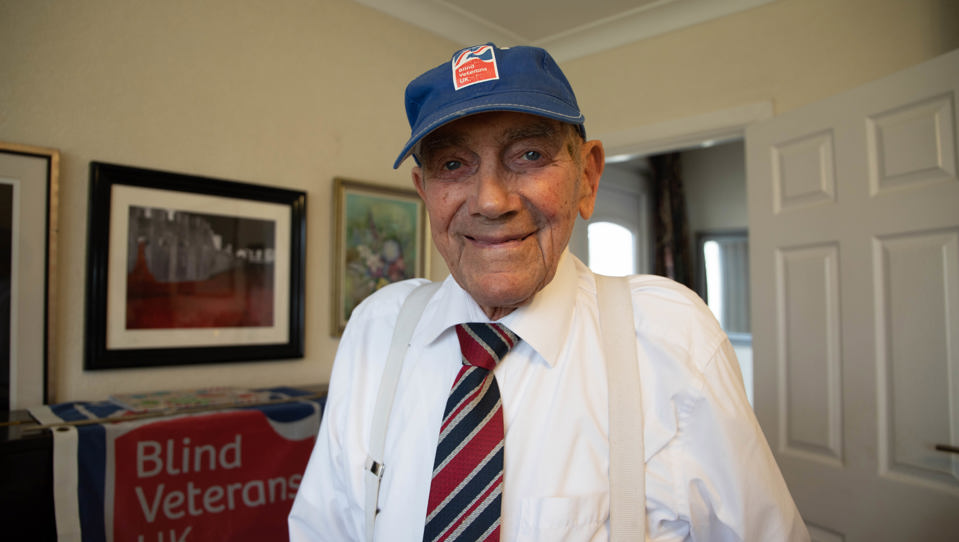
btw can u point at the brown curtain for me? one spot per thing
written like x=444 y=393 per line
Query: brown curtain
x=670 y=230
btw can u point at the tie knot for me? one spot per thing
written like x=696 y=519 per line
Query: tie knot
x=484 y=345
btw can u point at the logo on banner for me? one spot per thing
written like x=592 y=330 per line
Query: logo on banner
x=474 y=65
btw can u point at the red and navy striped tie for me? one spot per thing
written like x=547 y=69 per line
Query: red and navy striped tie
x=467 y=489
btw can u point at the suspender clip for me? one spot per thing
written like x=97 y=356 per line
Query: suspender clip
x=375 y=467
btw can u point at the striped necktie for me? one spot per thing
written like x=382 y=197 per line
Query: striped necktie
x=467 y=488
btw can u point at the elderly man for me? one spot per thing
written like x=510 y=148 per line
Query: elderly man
x=500 y=424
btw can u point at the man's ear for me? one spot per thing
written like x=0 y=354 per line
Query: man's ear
x=594 y=160
x=417 y=174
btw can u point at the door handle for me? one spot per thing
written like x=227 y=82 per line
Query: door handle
x=947 y=448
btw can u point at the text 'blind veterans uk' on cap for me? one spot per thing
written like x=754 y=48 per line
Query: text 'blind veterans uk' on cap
x=487 y=78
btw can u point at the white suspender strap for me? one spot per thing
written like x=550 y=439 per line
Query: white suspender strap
x=406 y=322
x=627 y=459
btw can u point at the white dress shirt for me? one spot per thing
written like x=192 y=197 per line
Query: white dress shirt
x=709 y=472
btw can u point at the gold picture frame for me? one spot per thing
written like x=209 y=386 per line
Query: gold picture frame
x=29 y=180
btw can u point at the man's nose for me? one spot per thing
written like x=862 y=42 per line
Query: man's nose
x=493 y=196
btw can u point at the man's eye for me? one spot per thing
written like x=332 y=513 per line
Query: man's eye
x=532 y=156
x=452 y=165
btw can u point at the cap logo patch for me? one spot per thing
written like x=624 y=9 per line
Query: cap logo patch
x=474 y=65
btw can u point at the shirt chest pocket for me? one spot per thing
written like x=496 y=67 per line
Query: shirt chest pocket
x=567 y=519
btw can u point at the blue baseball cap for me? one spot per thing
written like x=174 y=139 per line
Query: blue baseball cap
x=487 y=78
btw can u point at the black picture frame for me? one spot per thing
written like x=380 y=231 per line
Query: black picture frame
x=189 y=295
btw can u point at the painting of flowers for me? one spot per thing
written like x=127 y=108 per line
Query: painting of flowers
x=380 y=239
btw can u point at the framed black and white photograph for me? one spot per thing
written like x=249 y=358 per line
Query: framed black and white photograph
x=28 y=239
x=185 y=269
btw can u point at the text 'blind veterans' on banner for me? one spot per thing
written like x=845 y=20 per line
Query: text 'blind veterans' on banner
x=223 y=475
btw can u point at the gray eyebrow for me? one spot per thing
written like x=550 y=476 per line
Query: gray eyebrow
x=545 y=129
x=433 y=142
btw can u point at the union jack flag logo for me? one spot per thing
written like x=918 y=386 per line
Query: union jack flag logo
x=474 y=65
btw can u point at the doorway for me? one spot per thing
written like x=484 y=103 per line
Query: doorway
x=618 y=239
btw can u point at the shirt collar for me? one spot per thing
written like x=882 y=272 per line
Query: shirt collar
x=538 y=323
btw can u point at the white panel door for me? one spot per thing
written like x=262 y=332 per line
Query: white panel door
x=854 y=258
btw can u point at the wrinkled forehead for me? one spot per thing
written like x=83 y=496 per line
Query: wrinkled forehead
x=501 y=128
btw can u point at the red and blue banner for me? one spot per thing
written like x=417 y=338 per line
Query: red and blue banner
x=221 y=475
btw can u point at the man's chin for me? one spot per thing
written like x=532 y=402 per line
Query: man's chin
x=501 y=293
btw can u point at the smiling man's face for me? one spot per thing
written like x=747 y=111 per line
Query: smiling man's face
x=503 y=191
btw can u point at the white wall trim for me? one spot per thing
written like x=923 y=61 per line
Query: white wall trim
x=716 y=126
x=467 y=24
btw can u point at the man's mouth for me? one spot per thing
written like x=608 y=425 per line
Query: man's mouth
x=497 y=240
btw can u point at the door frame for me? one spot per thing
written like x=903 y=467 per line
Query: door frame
x=688 y=132
x=708 y=128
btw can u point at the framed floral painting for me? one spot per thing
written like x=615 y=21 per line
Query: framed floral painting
x=380 y=238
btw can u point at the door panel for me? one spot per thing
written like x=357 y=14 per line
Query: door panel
x=917 y=274
x=854 y=258
x=808 y=303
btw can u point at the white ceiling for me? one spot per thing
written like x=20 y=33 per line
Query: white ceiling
x=567 y=28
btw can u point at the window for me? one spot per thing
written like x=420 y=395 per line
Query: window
x=611 y=249
x=723 y=279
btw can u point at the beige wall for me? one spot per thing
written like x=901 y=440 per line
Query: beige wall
x=788 y=52
x=296 y=92
x=715 y=183
x=289 y=93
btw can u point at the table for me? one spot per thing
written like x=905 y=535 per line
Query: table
x=26 y=479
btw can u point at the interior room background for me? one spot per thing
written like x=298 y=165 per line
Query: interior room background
x=293 y=93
